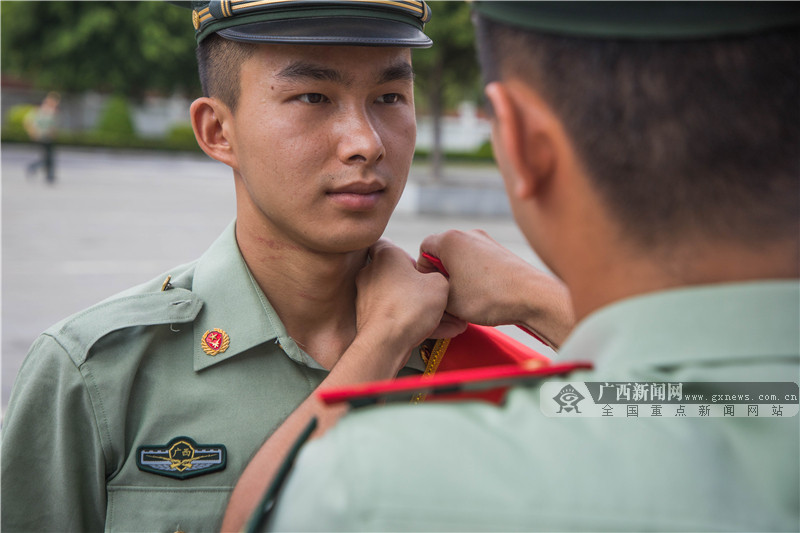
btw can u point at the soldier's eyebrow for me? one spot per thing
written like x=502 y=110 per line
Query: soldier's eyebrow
x=302 y=70
x=400 y=71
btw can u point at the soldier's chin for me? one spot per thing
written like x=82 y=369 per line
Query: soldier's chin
x=352 y=243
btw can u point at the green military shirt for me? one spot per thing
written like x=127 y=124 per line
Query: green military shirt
x=474 y=466
x=103 y=397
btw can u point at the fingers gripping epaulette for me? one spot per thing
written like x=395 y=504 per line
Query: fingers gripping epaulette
x=80 y=332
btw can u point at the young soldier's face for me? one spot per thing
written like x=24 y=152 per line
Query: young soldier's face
x=323 y=137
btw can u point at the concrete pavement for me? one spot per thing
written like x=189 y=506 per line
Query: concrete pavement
x=115 y=219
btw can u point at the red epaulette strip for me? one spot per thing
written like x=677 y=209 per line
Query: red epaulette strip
x=454 y=385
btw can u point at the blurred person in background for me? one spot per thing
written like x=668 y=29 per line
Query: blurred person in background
x=42 y=125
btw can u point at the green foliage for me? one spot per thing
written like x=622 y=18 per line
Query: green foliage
x=108 y=46
x=181 y=135
x=449 y=69
x=116 y=121
x=15 y=120
x=98 y=140
x=114 y=130
x=485 y=151
x=447 y=73
x=483 y=154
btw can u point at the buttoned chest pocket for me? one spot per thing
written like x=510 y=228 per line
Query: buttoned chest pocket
x=163 y=509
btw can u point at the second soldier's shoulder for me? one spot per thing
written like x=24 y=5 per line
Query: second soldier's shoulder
x=505 y=398
x=165 y=299
x=456 y=385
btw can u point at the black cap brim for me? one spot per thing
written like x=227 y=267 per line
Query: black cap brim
x=348 y=31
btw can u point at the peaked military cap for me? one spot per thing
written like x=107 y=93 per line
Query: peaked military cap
x=332 y=22
x=643 y=20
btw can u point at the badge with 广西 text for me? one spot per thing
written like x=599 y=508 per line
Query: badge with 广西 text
x=181 y=458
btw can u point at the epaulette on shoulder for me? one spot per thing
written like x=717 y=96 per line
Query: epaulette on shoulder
x=454 y=385
x=478 y=347
x=78 y=333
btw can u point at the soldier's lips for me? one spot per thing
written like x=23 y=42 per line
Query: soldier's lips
x=360 y=196
x=356 y=201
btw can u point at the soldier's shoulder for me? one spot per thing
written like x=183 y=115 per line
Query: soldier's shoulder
x=166 y=299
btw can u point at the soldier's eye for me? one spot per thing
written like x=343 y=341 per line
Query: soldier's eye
x=390 y=98
x=313 y=98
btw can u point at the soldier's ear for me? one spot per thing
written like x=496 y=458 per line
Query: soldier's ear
x=522 y=137
x=212 y=122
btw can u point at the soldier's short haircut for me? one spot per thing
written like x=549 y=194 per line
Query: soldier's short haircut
x=679 y=138
x=219 y=63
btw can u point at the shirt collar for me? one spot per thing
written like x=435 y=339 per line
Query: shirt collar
x=233 y=303
x=703 y=324
x=236 y=305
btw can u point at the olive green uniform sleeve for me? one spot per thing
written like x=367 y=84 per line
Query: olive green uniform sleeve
x=131 y=373
x=52 y=456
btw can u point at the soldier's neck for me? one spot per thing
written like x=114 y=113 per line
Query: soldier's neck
x=602 y=279
x=313 y=293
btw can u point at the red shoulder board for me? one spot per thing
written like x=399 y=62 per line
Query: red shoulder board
x=478 y=347
x=449 y=385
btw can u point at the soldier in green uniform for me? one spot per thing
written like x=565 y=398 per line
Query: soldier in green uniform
x=650 y=155
x=139 y=414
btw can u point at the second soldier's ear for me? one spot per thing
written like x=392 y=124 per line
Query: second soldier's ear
x=212 y=124
x=522 y=137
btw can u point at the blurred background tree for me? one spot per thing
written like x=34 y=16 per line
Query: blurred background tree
x=116 y=118
x=128 y=48
x=133 y=49
x=447 y=73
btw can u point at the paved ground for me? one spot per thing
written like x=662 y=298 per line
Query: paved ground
x=115 y=219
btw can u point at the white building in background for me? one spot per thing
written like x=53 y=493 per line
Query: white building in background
x=464 y=132
x=156 y=115
x=152 y=118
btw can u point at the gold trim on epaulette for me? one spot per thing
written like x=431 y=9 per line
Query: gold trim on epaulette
x=436 y=356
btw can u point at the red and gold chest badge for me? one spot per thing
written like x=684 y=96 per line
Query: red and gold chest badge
x=215 y=341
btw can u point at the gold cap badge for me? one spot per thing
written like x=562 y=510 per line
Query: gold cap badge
x=215 y=341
